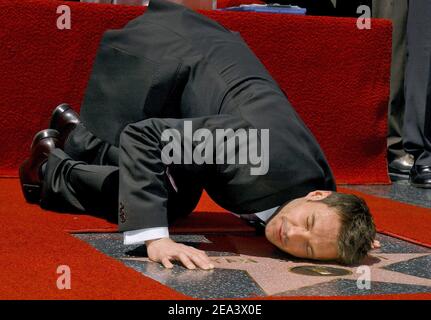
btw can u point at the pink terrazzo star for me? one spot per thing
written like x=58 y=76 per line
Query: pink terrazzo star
x=274 y=276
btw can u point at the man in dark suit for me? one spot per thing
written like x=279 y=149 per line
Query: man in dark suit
x=417 y=117
x=166 y=72
x=400 y=162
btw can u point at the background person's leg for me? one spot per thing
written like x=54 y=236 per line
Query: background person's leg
x=396 y=10
x=417 y=136
x=71 y=185
x=82 y=145
x=349 y=8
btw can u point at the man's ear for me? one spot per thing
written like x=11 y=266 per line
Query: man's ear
x=317 y=195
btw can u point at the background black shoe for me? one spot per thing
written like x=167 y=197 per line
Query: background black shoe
x=64 y=119
x=30 y=171
x=399 y=168
x=420 y=176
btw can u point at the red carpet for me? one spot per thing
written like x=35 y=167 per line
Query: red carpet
x=335 y=75
x=34 y=244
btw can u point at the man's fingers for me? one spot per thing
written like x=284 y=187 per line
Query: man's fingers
x=201 y=262
x=200 y=258
x=186 y=261
x=205 y=258
x=199 y=252
x=376 y=244
x=190 y=260
x=166 y=263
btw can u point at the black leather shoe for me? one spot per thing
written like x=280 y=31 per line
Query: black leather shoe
x=420 y=176
x=399 y=168
x=30 y=173
x=64 y=119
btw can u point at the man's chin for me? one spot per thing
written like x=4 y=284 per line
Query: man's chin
x=271 y=234
x=268 y=234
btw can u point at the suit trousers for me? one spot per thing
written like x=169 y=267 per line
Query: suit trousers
x=417 y=120
x=395 y=10
x=84 y=177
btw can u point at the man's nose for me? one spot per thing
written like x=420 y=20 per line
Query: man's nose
x=295 y=233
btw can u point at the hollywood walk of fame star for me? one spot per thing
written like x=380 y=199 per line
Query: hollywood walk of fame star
x=274 y=276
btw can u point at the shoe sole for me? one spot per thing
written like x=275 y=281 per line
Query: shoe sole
x=399 y=177
x=31 y=192
x=423 y=186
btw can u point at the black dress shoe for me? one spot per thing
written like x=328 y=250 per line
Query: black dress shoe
x=420 y=176
x=399 y=168
x=64 y=119
x=30 y=173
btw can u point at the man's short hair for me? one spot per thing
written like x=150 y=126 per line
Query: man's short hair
x=357 y=230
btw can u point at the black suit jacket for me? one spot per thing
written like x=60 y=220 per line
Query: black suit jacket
x=172 y=64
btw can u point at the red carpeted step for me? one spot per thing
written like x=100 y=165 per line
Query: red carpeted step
x=336 y=76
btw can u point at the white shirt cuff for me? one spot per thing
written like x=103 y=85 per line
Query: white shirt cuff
x=142 y=235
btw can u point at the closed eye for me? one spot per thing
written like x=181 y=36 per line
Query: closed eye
x=310 y=221
x=310 y=224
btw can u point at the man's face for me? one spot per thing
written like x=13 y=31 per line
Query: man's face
x=306 y=228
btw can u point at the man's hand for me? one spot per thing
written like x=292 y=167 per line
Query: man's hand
x=376 y=244
x=164 y=250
